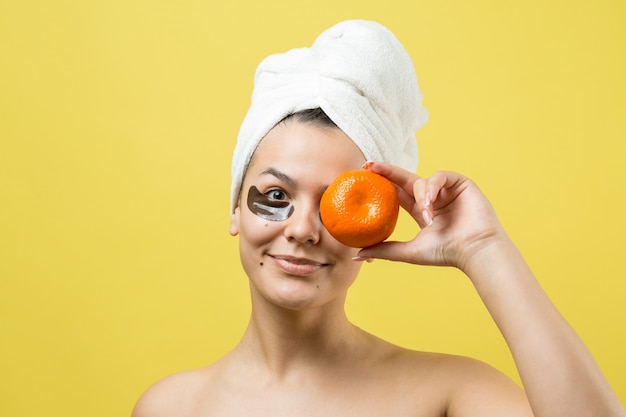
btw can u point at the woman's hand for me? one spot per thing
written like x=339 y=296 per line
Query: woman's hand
x=559 y=375
x=456 y=219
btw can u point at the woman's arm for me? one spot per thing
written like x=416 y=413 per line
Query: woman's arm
x=460 y=228
x=559 y=374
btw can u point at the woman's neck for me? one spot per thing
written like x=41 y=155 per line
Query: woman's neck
x=282 y=339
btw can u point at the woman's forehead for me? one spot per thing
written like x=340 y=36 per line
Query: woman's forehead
x=305 y=143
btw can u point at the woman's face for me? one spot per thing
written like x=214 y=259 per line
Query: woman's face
x=290 y=258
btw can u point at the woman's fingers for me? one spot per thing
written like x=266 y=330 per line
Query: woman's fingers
x=426 y=198
x=399 y=176
x=449 y=202
x=405 y=182
x=391 y=251
x=419 y=196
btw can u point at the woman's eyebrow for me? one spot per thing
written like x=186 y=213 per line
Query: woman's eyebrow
x=280 y=175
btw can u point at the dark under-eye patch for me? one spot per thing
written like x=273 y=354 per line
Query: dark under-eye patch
x=267 y=208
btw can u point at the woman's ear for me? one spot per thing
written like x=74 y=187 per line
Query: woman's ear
x=234 y=222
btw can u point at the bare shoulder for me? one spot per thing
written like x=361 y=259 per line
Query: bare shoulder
x=472 y=387
x=173 y=395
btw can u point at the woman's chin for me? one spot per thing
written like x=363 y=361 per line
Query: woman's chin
x=296 y=296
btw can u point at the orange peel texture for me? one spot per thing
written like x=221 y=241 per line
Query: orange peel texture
x=360 y=208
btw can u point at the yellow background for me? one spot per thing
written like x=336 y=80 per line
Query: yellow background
x=117 y=122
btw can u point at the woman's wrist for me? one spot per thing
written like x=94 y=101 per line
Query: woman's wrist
x=485 y=255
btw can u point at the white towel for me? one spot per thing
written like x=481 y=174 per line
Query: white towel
x=359 y=74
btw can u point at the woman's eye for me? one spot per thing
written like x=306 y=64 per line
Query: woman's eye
x=272 y=205
x=277 y=195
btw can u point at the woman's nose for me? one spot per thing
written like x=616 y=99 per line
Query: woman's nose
x=304 y=225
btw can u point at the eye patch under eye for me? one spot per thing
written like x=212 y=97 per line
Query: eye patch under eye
x=268 y=208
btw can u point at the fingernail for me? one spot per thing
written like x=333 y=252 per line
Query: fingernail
x=366 y=165
x=428 y=198
x=427 y=217
x=362 y=258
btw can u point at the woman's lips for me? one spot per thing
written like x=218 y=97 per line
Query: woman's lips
x=296 y=266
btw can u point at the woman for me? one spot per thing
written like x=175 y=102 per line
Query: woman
x=351 y=99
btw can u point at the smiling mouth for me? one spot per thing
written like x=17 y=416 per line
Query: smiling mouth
x=296 y=266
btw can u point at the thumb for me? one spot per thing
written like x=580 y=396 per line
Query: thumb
x=391 y=251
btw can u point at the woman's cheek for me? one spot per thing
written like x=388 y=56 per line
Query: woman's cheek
x=257 y=230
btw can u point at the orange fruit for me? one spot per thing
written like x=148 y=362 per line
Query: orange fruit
x=360 y=208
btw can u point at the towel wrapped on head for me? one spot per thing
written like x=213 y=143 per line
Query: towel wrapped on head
x=359 y=74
